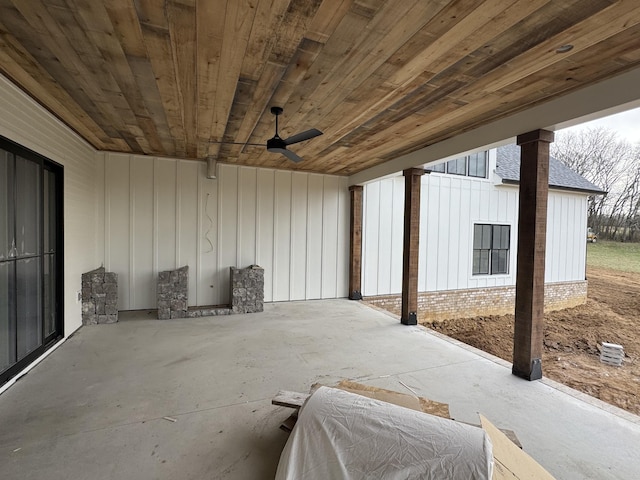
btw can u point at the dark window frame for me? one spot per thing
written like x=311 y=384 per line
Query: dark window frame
x=54 y=257
x=470 y=163
x=457 y=166
x=475 y=160
x=491 y=252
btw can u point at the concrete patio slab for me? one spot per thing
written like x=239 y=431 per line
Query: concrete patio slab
x=103 y=405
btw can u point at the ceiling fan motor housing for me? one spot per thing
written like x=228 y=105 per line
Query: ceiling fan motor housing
x=276 y=144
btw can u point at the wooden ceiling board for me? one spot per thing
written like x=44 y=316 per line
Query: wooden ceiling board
x=26 y=72
x=183 y=44
x=210 y=18
x=481 y=99
x=380 y=78
x=239 y=17
x=272 y=64
x=412 y=86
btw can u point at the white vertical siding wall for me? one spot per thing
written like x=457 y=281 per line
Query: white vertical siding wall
x=28 y=124
x=161 y=214
x=450 y=206
x=566 y=255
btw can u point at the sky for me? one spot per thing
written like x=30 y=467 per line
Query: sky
x=626 y=124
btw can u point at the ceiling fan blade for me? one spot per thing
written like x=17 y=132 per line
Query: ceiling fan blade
x=287 y=153
x=292 y=156
x=301 y=137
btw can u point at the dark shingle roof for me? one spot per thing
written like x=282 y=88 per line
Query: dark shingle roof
x=560 y=176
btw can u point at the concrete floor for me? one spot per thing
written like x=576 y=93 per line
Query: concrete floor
x=94 y=408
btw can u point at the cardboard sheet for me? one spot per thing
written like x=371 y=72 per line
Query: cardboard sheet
x=511 y=463
x=420 y=404
x=341 y=435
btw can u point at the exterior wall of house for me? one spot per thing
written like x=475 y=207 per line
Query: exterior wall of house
x=28 y=124
x=450 y=206
x=160 y=214
x=566 y=256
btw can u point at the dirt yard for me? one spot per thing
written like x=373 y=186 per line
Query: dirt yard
x=572 y=338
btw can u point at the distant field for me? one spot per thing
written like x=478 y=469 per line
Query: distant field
x=615 y=255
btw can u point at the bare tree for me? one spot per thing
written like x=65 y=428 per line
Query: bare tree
x=613 y=165
x=630 y=204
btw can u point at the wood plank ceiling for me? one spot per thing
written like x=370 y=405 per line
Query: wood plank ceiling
x=380 y=78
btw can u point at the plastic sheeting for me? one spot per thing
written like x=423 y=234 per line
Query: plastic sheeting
x=341 y=435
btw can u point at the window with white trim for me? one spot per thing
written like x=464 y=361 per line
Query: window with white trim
x=491 y=249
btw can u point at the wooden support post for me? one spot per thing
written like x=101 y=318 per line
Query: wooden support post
x=532 y=234
x=355 y=244
x=412 y=179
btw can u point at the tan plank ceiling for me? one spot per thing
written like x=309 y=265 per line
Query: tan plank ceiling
x=380 y=78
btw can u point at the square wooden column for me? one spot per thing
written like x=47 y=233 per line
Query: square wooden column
x=412 y=180
x=355 y=243
x=532 y=237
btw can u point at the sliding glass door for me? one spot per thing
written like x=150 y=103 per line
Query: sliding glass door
x=30 y=259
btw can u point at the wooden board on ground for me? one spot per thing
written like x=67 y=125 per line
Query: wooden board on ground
x=511 y=463
x=285 y=398
x=420 y=404
x=289 y=423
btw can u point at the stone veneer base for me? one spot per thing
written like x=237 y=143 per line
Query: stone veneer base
x=172 y=291
x=246 y=294
x=99 y=297
x=197 y=312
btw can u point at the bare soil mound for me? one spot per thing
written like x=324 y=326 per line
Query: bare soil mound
x=573 y=338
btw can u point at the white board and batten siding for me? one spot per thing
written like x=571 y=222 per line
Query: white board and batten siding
x=26 y=123
x=161 y=214
x=450 y=206
x=566 y=255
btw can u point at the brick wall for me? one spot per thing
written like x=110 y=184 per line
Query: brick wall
x=446 y=304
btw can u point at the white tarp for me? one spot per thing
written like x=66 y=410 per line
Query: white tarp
x=341 y=435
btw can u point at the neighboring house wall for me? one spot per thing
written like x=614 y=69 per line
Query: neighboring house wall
x=159 y=214
x=450 y=206
x=28 y=124
x=566 y=254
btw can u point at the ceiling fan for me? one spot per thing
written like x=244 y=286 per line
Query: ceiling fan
x=279 y=145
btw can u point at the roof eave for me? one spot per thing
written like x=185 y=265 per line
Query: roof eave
x=506 y=181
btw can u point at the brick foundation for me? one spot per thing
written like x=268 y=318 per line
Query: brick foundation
x=448 y=304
